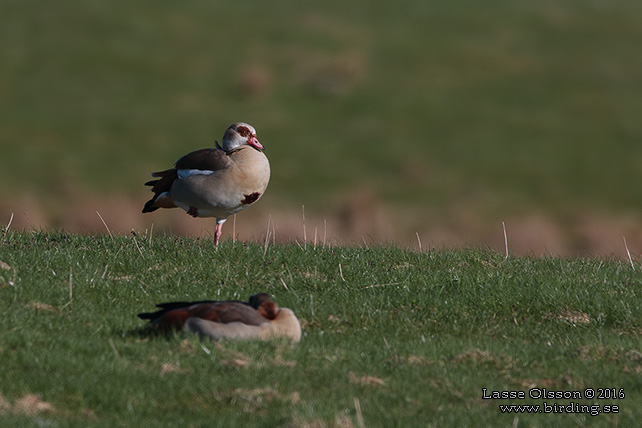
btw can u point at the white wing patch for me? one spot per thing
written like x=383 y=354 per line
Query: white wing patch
x=183 y=173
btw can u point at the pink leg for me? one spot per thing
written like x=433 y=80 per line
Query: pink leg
x=217 y=233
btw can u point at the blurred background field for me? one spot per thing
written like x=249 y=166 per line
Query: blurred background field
x=386 y=120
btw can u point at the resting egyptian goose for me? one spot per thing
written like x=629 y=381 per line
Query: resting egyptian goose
x=215 y=182
x=260 y=318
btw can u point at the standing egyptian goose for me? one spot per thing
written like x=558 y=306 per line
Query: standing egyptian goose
x=215 y=182
x=260 y=318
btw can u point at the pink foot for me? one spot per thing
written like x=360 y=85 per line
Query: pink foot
x=217 y=233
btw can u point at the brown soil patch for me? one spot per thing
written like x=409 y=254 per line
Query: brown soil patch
x=29 y=404
x=365 y=380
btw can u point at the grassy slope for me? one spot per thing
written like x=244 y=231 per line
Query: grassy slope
x=414 y=337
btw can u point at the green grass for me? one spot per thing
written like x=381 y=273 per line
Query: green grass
x=410 y=337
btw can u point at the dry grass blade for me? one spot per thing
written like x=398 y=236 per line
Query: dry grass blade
x=315 y=238
x=267 y=236
x=6 y=229
x=273 y=233
x=234 y=230
x=382 y=285
x=305 y=234
x=71 y=288
x=357 y=408
x=628 y=253
x=113 y=348
x=341 y=273
x=105 y=224
x=325 y=231
x=136 y=242
x=505 y=239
